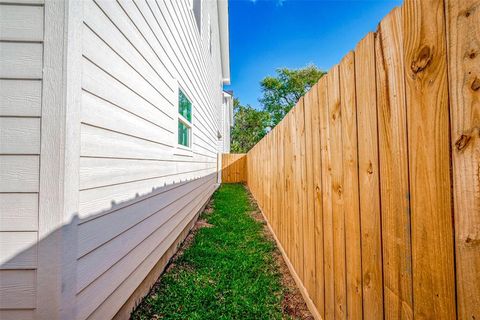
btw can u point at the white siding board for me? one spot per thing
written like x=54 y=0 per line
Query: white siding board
x=96 y=20
x=135 y=278
x=197 y=51
x=99 y=172
x=92 y=265
x=98 y=142
x=103 y=114
x=200 y=55
x=130 y=11
x=17 y=314
x=141 y=15
x=18 y=250
x=19 y=173
x=183 y=47
x=34 y=2
x=18 y=211
x=98 y=200
x=122 y=21
x=137 y=199
x=21 y=68
x=19 y=135
x=17 y=289
x=95 y=50
x=137 y=188
x=21 y=23
x=209 y=158
x=21 y=60
x=162 y=35
x=92 y=234
x=205 y=145
x=120 y=281
x=20 y=97
x=130 y=63
x=100 y=83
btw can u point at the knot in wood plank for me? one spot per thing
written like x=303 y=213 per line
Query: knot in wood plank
x=370 y=168
x=475 y=84
x=422 y=61
x=462 y=142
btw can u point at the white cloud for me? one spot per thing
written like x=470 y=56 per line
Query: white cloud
x=277 y=2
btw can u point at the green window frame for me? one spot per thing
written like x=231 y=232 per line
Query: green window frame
x=184 y=120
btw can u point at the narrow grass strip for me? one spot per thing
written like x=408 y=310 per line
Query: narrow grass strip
x=229 y=271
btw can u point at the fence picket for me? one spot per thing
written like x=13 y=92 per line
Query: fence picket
x=353 y=254
x=463 y=34
x=368 y=176
x=429 y=159
x=356 y=181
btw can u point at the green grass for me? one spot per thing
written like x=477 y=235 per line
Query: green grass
x=228 y=272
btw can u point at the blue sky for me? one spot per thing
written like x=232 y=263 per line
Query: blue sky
x=269 y=34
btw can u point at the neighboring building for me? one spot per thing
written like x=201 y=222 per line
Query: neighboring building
x=112 y=116
x=226 y=120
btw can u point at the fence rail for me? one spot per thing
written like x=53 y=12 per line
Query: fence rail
x=371 y=182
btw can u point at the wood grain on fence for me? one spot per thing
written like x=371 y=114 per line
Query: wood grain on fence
x=370 y=183
x=393 y=160
x=368 y=178
x=234 y=167
x=463 y=45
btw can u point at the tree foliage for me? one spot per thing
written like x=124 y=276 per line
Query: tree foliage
x=250 y=126
x=280 y=93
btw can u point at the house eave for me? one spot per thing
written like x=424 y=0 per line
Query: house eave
x=224 y=40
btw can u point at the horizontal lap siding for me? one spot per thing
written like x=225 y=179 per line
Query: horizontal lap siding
x=137 y=189
x=21 y=59
x=20 y=97
x=124 y=254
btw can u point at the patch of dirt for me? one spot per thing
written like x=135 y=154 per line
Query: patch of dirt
x=202 y=224
x=293 y=303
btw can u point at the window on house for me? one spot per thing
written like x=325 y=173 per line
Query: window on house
x=184 y=120
x=197 y=12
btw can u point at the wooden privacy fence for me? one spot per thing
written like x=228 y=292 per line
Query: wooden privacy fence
x=234 y=167
x=371 y=182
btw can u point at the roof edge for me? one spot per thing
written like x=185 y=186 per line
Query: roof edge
x=222 y=6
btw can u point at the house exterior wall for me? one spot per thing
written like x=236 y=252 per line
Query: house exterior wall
x=226 y=122
x=114 y=189
x=21 y=57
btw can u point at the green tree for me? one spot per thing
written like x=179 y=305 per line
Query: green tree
x=280 y=93
x=250 y=126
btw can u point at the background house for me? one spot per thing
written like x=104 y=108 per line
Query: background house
x=112 y=116
x=226 y=120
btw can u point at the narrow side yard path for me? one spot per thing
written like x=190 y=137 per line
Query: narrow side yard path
x=228 y=268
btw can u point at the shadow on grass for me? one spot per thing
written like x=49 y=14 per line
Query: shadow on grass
x=228 y=272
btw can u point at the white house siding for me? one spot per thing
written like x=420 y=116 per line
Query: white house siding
x=138 y=189
x=21 y=55
x=116 y=189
